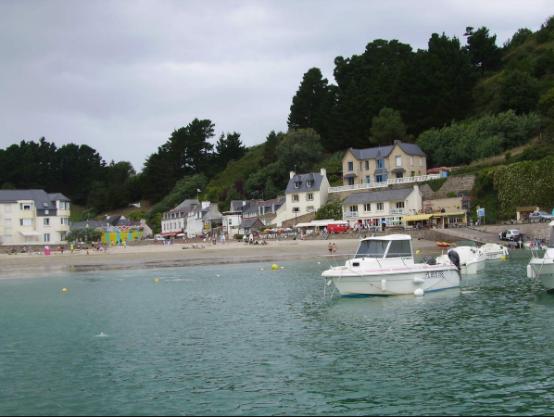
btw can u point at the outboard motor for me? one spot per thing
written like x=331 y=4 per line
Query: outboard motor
x=455 y=259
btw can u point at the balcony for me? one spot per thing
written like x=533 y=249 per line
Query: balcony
x=397 y=211
x=351 y=214
x=378 y=185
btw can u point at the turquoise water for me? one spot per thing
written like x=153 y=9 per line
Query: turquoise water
x=238 y=340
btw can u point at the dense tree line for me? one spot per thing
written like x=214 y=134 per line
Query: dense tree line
x=390 y=87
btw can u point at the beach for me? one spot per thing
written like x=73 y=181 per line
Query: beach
x=181 y=255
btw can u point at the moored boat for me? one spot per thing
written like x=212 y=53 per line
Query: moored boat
x=494 y=251
x=543 y=268
x=472 y=260
x=385 y=266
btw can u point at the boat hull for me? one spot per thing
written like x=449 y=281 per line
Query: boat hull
x=543 y=271
x=396 y=283
x=473 y=268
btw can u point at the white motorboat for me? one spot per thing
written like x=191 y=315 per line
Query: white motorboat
x=494 y=251
x=385 y=266
x=543 y=268
x=472 y=260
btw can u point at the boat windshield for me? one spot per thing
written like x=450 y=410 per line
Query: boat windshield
x=372 y=249
x=378 y=248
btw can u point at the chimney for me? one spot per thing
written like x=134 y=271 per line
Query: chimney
x=323 y=172
x=292 y=174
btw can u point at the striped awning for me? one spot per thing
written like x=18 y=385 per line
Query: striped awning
x=417 y=217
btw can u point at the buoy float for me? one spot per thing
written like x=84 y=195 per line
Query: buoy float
x=65 y=290
x=417 y=252
x=275 y=267
x=157 y=280
x=419 y=292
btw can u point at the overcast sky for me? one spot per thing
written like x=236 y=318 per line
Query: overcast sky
x=121 y=75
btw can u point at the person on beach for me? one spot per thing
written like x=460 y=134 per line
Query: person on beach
x=334 y=248
x=330 y=248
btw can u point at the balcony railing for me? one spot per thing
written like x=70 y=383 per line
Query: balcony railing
x=384 y=184
x=397 y=211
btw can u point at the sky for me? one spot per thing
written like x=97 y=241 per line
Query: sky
x=120 y=76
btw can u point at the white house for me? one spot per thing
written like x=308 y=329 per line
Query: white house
x=30 y=217
x=374 y=208
x=203 y=219
x=174 y=222
x=305 y=194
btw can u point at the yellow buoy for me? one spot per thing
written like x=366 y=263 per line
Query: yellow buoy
x=275 y=267
x=65 y=290
x=504 y=258
x=417 y=252
x=157 y=280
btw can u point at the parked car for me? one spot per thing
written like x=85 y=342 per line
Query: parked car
x=338 y=228
x=540 y=216
x=510 y=234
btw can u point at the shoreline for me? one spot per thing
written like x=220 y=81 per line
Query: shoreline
x=181 y=255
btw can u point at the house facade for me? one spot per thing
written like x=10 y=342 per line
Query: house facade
x=33 y=217
x=375 y=208
x=203 y=219
x=174 y=221
x=381 y=164
x=305 y=194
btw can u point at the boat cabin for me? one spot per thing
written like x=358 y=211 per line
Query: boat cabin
x=392 y=246
x=551 y=243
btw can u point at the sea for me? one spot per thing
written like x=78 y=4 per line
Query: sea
x=249 y=340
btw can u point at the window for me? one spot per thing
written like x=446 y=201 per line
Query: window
x=420 y=162
x=379 y=178
x=413 y=173
x=367 y=207
x=25 y=207
x=310 y=197
x=230 y=222
x=25 y=222
x=368 y=179
x=367 y=165
x=372 y=249
x=380 y=206
x=400 y=205
x=46 y=221
x=297 y=184
x=47 y=237
x=296 y=210
x=295 y=198
x=46 y=212
x=309 y=184
x=63 y=235
x=380 y=163
x=350 y=166
x=310 y=209
x=399 y=249
x=354 y=209
x=398 y=161
x=350 y=181
x=411 y=161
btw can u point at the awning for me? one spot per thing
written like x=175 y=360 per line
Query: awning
x=169 y=234
x=417 y=217
x=450 y=214
x=398 y=170
x=349 y=176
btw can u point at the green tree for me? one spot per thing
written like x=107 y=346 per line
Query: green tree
x=300 y=150
x=519 y=38
x=484 y=53
x=312 y=103
x=332 y=210
x=519 y=91
x=386 y=127
x=546 y=108
x=229 y=148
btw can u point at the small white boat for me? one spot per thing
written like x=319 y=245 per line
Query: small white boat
x=543 y=268
x=472 y=260
x=494 y=251
x=385 y=266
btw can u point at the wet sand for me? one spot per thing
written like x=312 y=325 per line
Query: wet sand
x=179 y=255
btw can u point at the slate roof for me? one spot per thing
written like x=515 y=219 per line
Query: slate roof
x=43 y=201
x=378 y=196
x=384 y=151
x=250 y=223
x=315 y=177
x=186 y=205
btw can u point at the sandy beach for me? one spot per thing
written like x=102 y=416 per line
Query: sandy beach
x=178 y=255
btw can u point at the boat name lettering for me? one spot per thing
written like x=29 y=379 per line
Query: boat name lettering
x=434 y=275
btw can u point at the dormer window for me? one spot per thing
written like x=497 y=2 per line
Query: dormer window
x=297 y=184
x=309 y=183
